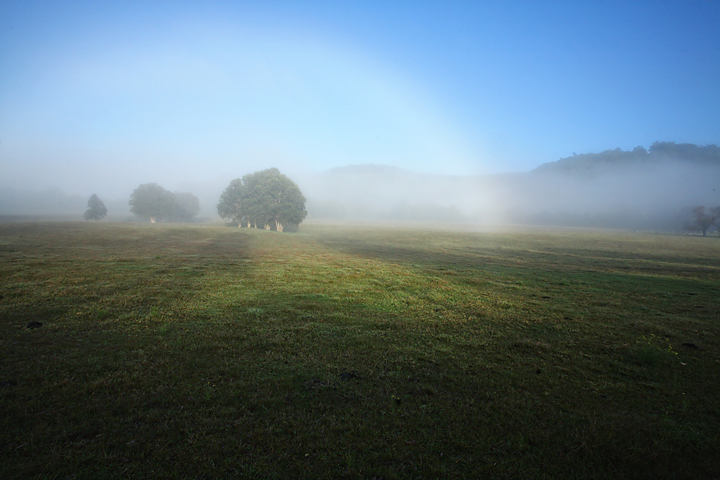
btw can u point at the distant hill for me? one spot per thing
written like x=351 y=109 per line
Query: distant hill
x=589 y=164
x=652 y=189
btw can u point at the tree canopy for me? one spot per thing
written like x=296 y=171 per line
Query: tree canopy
x=153 y=202
x=262 y=199
x=95 y=209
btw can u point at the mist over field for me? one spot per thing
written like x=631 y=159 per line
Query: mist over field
x=650 y=195
x=501 y=255
x=617 y=189
x=422 y=112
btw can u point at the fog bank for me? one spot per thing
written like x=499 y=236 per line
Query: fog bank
x=653 y=189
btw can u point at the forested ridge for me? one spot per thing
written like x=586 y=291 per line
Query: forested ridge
x=658 y=153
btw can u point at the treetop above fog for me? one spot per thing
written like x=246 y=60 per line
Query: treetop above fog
x=659 y=152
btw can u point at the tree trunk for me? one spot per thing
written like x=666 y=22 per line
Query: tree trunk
x=278 y=226
x=152 y=219
x=267 y=226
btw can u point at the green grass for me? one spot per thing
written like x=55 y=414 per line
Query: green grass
x=205 y=352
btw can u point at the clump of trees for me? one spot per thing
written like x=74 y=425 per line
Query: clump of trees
x=263 y=199
x=95 y=209
x=153 y=202
x=704 y=218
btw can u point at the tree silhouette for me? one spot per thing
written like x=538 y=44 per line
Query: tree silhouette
x=703 y=219
x=96 y=209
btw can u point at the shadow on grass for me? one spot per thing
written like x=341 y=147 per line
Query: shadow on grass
x=147 y=370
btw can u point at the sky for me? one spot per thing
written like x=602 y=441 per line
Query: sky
x=99 y=97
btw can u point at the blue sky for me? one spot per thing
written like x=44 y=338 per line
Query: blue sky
x=108 y=95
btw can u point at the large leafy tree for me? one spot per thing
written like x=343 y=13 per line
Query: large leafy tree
x=282 y=197
x=185 y=206
x=96 y=209
x=231 y=202
x=262 y=199
x=153 y=202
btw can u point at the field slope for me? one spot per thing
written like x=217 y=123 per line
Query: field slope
x=206 y=351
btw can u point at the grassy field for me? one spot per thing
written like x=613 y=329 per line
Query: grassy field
x=205 y=351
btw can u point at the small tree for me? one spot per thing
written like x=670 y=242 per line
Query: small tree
x=703 y=219
x=153 y=202
x=96 y=209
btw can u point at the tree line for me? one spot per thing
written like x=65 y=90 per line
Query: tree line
x=266 y=199
x=590 y=163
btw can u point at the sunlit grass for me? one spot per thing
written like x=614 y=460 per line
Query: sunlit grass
x=199 y=351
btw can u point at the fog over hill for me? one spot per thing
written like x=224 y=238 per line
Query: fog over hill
x=638 y=189
x=366 y=192
x=652 y=188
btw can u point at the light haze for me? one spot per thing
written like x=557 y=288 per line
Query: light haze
x=99 y=98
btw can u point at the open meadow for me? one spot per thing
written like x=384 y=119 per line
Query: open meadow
x=203 y=351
